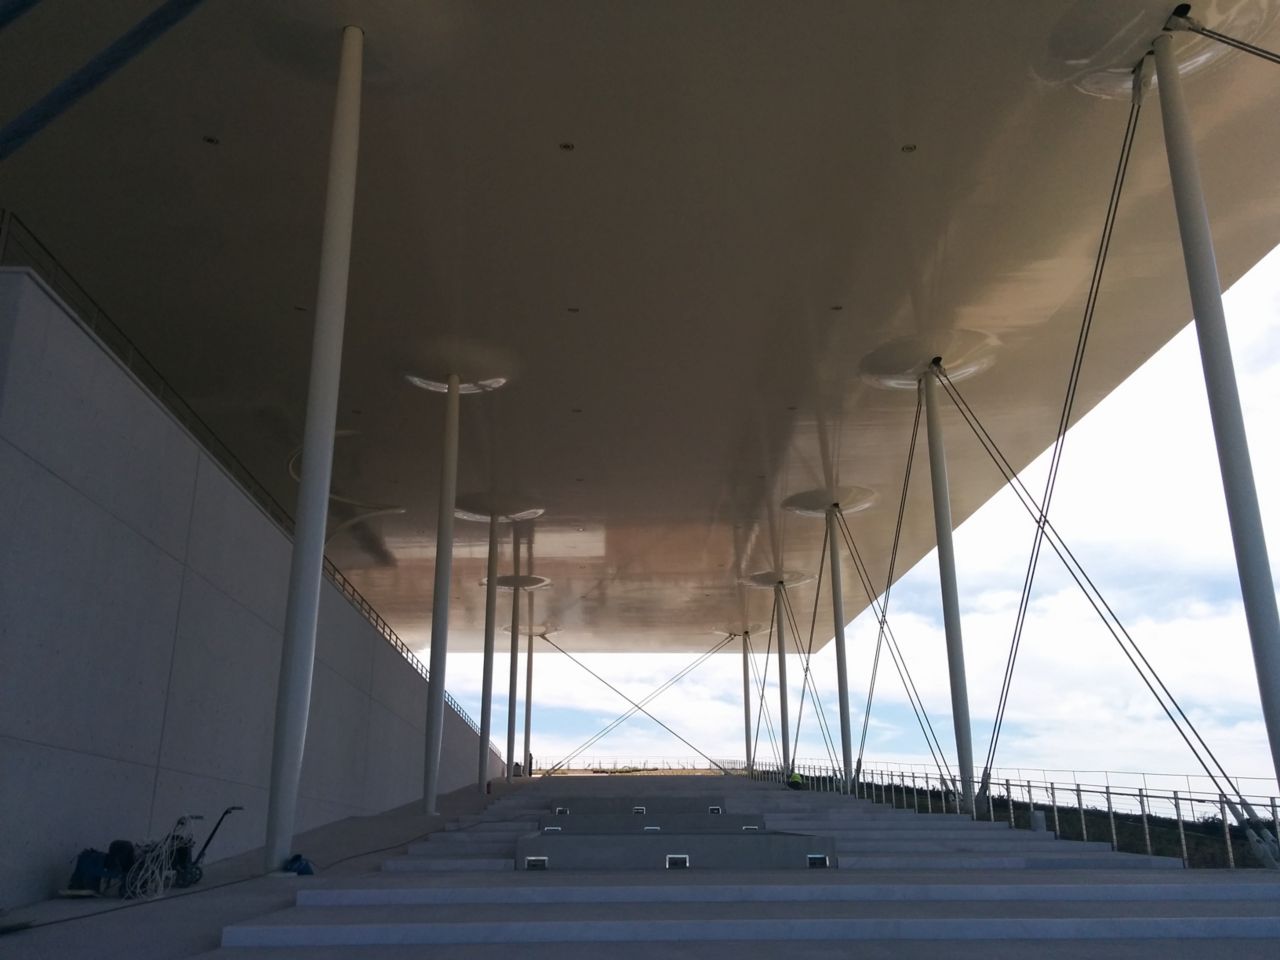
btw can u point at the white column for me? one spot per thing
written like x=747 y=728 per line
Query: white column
x=490 y=625
x=515 y=652
x=528 y=667
x=440 y=598
x=950 y=595
x=1253 y=566
x=784 y=723
x=746 y=699
x=842 y=666
x=297 y=655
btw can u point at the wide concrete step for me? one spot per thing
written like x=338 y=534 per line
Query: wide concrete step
x=375 y=892
x=906 y=833
x=908 y=823
x=496 y=826
x=1049 y=860
x=447 y=864
x=840 y=813
x=816 y=920
x=441 y=849
x=971 y=844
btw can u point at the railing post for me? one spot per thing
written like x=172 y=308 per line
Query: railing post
x=1226 y=831
x=1182 y=833
x=1146 y=828
x=1008 y=792
x=915 y=793
x=1053 y=799
x=1084 y=827
x=1111 y=815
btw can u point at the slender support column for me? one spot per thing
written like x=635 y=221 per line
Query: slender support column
x=842 y=666
x=490 y=625
x=950 y=596
x=297 y=655
x=746 y=700
x=784 y=722
x=515 y=652
x=440 y=598
x=528 y=666
x=1253 y=565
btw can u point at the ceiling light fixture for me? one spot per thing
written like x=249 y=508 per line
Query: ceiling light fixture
x=439 y=386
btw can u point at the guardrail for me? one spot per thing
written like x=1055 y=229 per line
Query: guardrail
x=1193 y=825
x=19 y=247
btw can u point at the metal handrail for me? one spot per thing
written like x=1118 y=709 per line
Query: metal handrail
x=1147 y=779
x=22 y=248
x=1069 y=803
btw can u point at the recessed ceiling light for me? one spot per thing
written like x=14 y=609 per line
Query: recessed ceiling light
x=791 y=408
x=908 y=148
x=573 y=309
x=576 y=410
x=211 y=140
x=566 y=146
x=357 y=412
x=837 y=307
x=578 y=479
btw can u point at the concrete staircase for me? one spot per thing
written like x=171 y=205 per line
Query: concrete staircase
x=905 y=879
x=875 y=836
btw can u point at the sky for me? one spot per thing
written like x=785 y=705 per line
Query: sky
x=1139 y=500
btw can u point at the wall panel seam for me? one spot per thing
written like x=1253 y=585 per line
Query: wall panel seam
x=173 y=643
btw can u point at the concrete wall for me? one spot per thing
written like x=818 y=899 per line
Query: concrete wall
x=141 y=609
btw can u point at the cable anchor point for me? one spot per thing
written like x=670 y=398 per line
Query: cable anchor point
x=1181 y=19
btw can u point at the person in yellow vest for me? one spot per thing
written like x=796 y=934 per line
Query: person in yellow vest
x=795 y=782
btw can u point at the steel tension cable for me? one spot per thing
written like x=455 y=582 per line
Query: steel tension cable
x=1181 y=20
x=1064 y=419
x=904 y=674
x=1249 y=818
x=893 y=561
x=764 y=704
x=638 y=707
